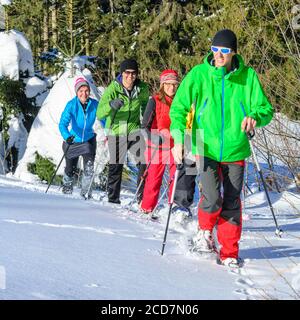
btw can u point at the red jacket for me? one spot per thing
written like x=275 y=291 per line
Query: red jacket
x=156 y=118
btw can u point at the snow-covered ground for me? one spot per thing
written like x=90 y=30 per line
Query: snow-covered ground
x=61 y=247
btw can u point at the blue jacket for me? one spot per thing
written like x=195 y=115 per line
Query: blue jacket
x=81 y=123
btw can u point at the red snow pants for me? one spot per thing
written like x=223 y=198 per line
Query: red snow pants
x=153 y=181
x=223 y=212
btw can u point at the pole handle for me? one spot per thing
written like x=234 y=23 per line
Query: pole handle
x=251 y=134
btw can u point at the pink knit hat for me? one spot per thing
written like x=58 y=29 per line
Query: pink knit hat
x=79 y=82
x=168 y=75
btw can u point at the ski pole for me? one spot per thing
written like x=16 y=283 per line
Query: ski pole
x=250 y=135
x=178 y=168
x=4 y=150
x=58 y=167
x=143 y=177
x=163 y=194
x=2 y=160
x=278 y=231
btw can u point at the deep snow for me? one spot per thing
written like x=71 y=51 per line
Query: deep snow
x=62 y=247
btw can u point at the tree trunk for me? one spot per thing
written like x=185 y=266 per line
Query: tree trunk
x=46 y=29
x=6 y=18
x=86 y=38
x=54 y=23
x=69 y=12
x=70 y=23
x=112 y=62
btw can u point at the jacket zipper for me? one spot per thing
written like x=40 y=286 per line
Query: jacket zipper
x=129 y=114
x=222 y=112
x=85 y=114
x=83 y=128
x=129 y=111
x=243 y=109
x=202 y=110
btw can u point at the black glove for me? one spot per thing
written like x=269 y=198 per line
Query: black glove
x=116 y=104
x=156 y=139
x=70 y=140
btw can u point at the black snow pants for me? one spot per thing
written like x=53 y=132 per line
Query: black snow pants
x=118 y=147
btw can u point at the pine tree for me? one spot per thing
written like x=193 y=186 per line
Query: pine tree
x=27 y=16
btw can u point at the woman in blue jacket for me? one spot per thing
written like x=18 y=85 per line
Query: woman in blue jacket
x=80 y=139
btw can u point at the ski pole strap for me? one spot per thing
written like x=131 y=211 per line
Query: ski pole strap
x=251 y=134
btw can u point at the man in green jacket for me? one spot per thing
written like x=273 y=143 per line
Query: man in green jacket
x=230 y=103
x=123 y=104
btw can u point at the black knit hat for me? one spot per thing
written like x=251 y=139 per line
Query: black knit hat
x=129 y=64
x=225 y=38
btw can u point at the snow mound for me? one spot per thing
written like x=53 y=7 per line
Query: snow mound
x=17 y=56
x=35 y=86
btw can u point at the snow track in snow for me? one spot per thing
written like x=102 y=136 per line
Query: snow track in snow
x=126 y=248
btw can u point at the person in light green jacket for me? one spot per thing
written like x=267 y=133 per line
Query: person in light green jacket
x=122 y=105
x=229 y=102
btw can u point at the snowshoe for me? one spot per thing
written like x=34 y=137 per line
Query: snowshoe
x=151 y=215
x=67 y=189
x=154 y=216
x=85 y=195
x=231 y=263
x=114 y=201
x=67 y=182
x=203 y=242
x=182 y=214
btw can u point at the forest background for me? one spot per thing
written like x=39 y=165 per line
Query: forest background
x=167 y=34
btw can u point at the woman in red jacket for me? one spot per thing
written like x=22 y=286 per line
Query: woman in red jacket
x=157 y=122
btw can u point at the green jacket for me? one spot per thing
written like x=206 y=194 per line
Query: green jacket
x=127 y=119
x=221 y=102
